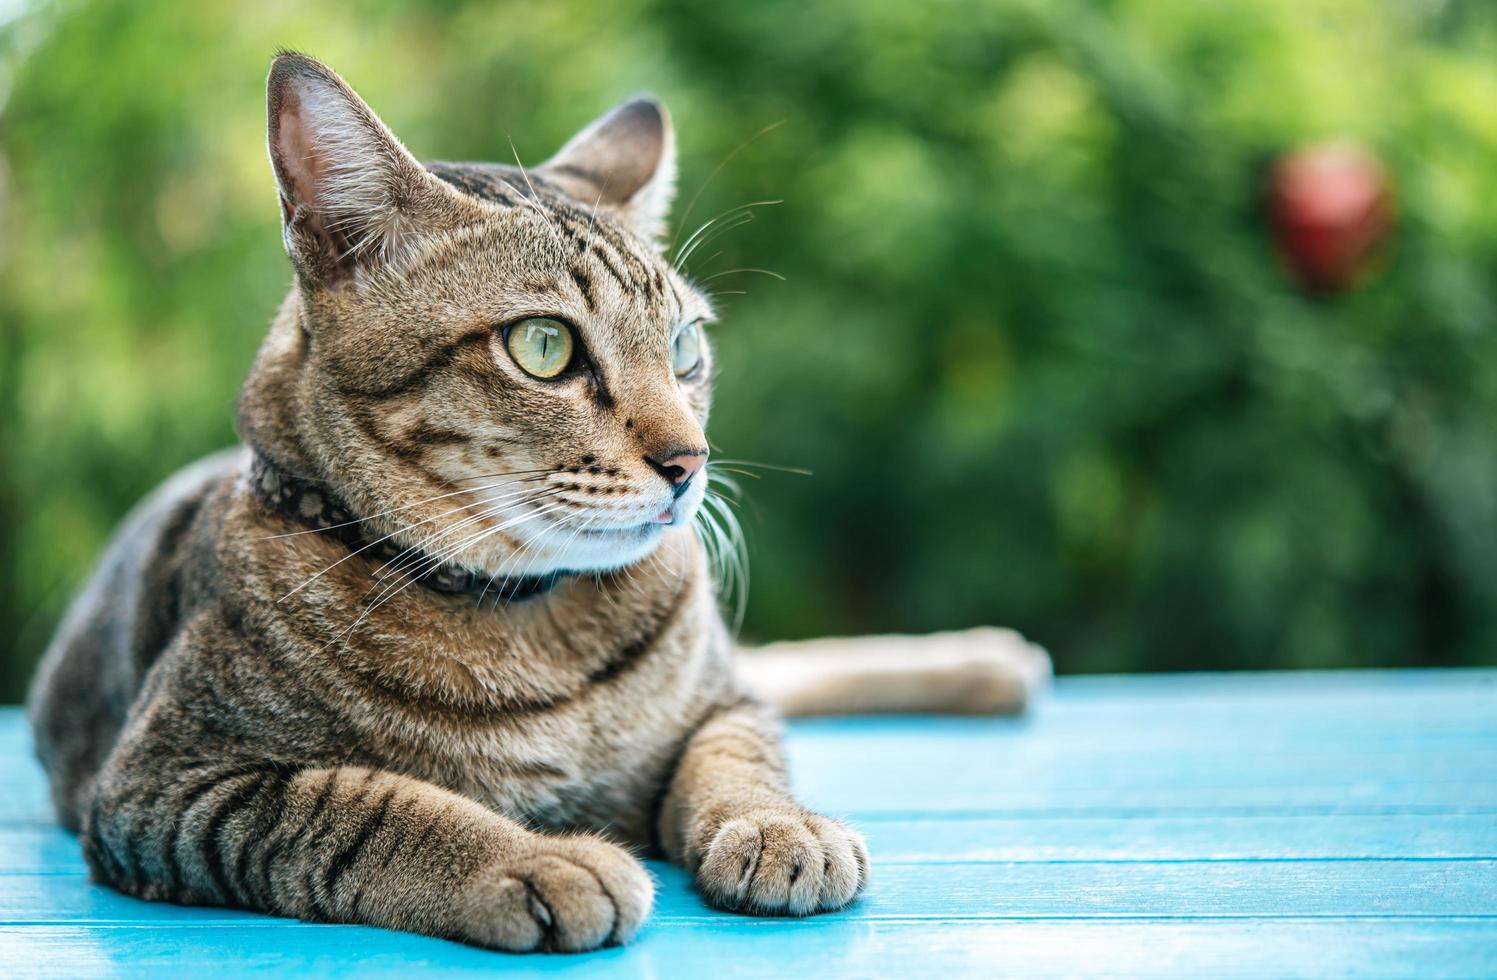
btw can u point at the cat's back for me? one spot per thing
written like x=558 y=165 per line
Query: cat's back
x=116 y=627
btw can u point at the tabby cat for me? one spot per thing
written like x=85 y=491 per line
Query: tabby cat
x=439 y=649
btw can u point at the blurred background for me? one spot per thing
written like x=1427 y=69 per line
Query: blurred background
x=1059 y=335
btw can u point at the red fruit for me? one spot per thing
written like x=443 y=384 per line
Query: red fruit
x=1330 y=208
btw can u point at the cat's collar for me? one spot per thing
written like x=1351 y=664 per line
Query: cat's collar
x=313 y=504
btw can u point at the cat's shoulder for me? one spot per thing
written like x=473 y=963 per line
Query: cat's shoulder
x=154 y=530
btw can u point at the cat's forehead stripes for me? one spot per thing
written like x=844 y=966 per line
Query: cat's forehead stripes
x=602 y=251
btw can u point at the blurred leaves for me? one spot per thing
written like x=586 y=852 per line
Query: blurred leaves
x=1032 y=341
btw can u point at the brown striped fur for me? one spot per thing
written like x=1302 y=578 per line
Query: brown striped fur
x=231 y=716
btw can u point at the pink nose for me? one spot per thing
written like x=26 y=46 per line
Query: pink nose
x=679 y=468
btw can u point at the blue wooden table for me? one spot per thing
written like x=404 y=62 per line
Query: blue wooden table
x=1191 y=825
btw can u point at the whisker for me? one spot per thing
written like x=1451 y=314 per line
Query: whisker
x=743 y=217
x=722 y=536
x=729 y=272
x=566 y=547
x=561 y=554
x=416 y=566
x=716 y=170
x=525 y=546
x=797 y=470
x=421 y=551
x=396 y=510
x=734 y=216
x=599 y=200
x=393 y=590
x=453 y=551
x=423 y=544
x=371 y=544
x=534 y=554
x=485 y=476
x=534 y=200
x=720 y=475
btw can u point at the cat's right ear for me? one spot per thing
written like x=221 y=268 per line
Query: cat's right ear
x=350 y=193
x=624 y=161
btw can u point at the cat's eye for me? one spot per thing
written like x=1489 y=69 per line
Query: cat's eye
x=686 y=349
x=541 y=346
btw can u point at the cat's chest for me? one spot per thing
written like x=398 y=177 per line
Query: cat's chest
x=580 y=770
x=598 y=759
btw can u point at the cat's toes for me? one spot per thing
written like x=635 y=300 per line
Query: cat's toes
x=623 y=879
x=568 y=895
x=783 y=862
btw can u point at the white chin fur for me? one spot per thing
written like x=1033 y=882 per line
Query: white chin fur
x=552 y=547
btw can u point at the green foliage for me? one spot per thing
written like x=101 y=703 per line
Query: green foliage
x=1032 y=341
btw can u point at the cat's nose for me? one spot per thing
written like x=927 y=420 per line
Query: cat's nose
x=679 y=467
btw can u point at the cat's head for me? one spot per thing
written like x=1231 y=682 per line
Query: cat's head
x=499 y=362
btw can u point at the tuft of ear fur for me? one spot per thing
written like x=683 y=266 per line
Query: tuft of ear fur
x=350 y=192
x=625 y=161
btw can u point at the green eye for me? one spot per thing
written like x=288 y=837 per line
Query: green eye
x=686 y=350
x=541 y=346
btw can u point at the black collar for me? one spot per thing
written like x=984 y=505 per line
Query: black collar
x=315 y=505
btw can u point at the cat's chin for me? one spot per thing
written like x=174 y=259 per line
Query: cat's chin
x=588 y=552
x=609 y=550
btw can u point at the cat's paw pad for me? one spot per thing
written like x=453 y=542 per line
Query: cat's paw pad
x=566 y=895
x=782 y=862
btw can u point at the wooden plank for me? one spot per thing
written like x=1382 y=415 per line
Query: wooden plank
x=881 y=768
x=925 y=840
x=958 y=760
x=901 y=792
x=1248 y=948
x=39 y=849
x=24 y=809
x=965 y=891
x=1320 y=686
x=1196 y=838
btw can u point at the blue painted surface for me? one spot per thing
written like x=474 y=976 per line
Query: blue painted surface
x=1188 y=825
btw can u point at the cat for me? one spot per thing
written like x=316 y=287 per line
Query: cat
x=438 y=648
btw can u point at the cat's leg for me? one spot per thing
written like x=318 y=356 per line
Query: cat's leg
x=728 y=816
x=358 y=845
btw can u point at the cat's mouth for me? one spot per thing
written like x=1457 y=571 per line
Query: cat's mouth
x=666 y=518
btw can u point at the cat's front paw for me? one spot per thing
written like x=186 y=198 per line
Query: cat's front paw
x=564 y=894
x=782 y=862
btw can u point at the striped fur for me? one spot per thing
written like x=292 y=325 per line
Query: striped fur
x=230 y=714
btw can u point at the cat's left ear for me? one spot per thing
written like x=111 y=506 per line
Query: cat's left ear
x=625 y=162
